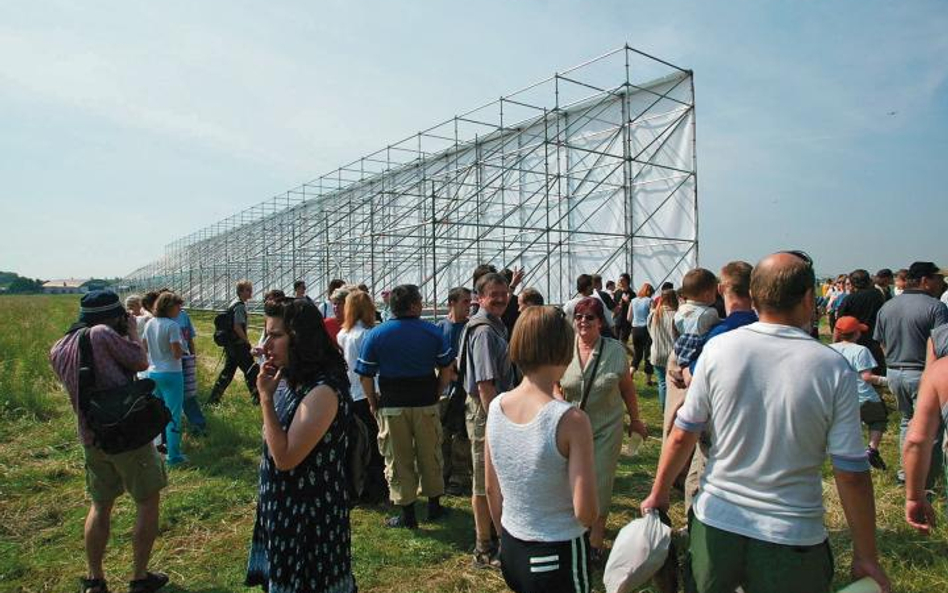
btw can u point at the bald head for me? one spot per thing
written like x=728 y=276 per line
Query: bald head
x=779 y=283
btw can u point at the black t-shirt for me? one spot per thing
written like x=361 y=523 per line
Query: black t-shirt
x=621 y=308
x=607 y=299
x=864 y=305
x=511 y=314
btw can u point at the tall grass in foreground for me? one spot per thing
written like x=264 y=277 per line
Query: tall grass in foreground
x=29 y=325
x=207 y=509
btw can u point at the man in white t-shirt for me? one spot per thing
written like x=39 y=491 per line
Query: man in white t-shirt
x=776 y=402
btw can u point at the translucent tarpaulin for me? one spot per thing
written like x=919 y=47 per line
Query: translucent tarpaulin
x=599 y=177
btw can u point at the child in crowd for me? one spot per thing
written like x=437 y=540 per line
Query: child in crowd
x=871 y=409
x=695 y=318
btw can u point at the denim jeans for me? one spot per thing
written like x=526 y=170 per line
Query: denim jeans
x=904 y=386
x=660 y=375
x=170 y=388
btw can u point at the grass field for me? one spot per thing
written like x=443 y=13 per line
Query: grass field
x=207 y=510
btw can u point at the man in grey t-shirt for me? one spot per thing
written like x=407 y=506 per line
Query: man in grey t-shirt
x=903 y=327
x=487 y=372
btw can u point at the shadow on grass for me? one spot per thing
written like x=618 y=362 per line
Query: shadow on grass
x=456 y=530
x=230 y=449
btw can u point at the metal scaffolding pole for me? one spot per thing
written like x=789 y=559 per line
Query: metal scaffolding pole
x=592 y=170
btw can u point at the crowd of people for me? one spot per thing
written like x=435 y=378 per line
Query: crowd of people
x=525 y=406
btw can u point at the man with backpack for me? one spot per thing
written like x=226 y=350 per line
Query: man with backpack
x=485 y=369
x=230 y=332
x=455 y=446
x=117 y=354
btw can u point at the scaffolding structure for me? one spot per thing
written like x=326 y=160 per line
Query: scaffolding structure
x=583 y=172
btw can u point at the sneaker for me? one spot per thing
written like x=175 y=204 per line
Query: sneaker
x=397 y=521
x=875 y=459
x=93 y=586
x=900 y=477
x=180 y=461
x=151 y=583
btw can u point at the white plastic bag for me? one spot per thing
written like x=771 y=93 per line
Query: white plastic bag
x=639 y=551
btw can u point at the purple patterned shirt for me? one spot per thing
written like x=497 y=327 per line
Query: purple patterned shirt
x=116 y=360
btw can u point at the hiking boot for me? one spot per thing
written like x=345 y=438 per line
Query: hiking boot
x=151 y=583
x=437 y=512
x=405 y=519
x=453 y=490
x=875 y=459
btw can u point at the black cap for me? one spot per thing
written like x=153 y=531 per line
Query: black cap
x=97 y=306
x=924 y=269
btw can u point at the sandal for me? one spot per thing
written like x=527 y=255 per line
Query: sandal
x=151 y=583
x=597 y=557
x=93 y=586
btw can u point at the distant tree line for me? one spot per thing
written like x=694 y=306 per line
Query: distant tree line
x=16 y=284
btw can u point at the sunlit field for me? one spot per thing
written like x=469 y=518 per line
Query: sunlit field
x=207 y=510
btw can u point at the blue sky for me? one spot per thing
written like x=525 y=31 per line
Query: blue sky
x=124 y=125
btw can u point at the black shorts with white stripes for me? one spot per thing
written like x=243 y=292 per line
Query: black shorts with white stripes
x=545 y=567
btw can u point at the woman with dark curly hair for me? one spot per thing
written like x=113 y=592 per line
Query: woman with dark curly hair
x=301 y=535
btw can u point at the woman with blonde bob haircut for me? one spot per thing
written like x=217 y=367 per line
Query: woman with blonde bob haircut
x=538 y=462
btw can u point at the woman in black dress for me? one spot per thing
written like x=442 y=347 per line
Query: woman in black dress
x=301 y=536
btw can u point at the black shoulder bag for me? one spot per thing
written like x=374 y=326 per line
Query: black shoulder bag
x=453 y=418
x=122 y=418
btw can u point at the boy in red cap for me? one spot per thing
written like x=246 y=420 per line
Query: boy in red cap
x=872 y=411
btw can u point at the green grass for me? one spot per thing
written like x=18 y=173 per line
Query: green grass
x=207 y=510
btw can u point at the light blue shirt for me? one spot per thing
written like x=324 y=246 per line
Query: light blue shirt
x=640 y=307
x=860 y=359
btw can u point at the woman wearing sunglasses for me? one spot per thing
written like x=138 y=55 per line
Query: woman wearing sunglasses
x=599 y=382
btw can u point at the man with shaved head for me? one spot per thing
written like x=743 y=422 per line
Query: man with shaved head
x=775 y=403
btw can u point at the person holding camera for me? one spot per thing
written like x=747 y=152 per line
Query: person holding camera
x=118 y=355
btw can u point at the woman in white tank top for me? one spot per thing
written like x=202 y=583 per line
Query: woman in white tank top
x=541 y=486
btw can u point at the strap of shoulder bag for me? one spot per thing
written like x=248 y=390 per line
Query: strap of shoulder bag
x=85 y=361
x=587 y=386
x=462 y=360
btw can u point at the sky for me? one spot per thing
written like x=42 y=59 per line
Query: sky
x=125 y=125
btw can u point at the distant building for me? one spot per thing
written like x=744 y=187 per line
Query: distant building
x=67 y=286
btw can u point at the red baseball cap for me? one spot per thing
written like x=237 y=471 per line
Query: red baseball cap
x=849 y=324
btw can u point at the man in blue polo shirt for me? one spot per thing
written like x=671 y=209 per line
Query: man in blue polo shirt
x=404 y=352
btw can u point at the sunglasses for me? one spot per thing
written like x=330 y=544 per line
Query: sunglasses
x=584 y=317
